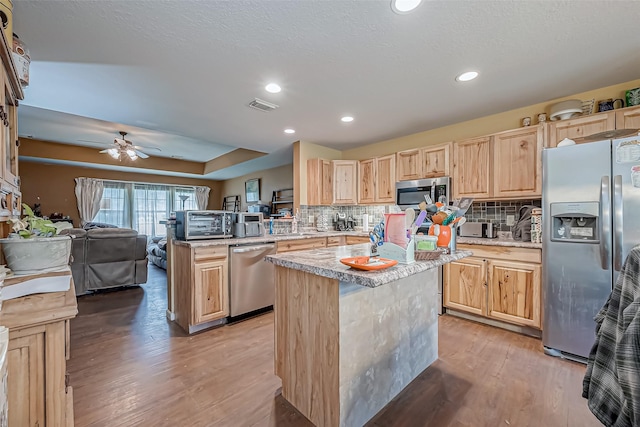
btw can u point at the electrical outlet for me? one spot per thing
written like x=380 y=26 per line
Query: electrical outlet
x=511 y=219
x=310 y=219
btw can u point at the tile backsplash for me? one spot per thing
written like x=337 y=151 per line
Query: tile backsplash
x=493 y=212
x=496 y=212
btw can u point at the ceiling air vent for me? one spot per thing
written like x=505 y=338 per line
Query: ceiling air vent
x=261 y=105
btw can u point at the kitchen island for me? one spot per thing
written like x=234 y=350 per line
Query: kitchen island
x=348 y=341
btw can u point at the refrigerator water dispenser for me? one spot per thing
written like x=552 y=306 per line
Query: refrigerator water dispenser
x=575 y=222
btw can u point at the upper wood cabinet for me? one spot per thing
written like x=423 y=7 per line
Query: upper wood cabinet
x=628 y=118
x=345 y=187
x=517 y=163
x=8 y=118
x=409 y=165
x=319 y=182
x=376 y=182
x=435 y=160
x=580 y=127
x=471 y=168
x=427 y=162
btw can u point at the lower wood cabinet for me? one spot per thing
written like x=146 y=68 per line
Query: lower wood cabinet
x=498 y=282
x=37 y=390
x=336 y=241
x=201 y=285
x=301 y=244
x=356 y=240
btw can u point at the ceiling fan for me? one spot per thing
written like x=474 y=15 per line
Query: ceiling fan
x=125 y=149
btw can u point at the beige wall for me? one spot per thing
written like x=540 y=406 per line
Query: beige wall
x=480 y=126
x=270 y=180
x=53 y=186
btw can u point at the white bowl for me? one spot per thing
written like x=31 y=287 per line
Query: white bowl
x=565 y=109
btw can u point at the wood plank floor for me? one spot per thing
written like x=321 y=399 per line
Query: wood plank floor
x=129 y=366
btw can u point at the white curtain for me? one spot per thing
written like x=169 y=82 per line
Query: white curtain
x=202 y=197
x=88 y=195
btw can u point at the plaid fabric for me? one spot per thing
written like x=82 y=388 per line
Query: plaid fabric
x=611 y=384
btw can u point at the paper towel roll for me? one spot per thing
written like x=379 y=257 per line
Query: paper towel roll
x=365 y=222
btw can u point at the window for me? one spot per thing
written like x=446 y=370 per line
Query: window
x=114 y=205
x=143 y=206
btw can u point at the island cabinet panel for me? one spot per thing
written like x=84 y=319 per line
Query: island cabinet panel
x=472 y=168
x=436 y=160
x=514 y=292
x=210 y=289
x=409 y=165
x=307 y=350
x=301 y=244
x=517 y=163
x=628 y=118
x=319 y=182
x=345 y=182
x=580 y=127
x=466 y=286
x=367 y=182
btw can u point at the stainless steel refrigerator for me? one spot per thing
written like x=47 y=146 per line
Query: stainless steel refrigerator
x=591 y=219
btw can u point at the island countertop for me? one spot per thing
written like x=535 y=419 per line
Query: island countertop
x=326 y=263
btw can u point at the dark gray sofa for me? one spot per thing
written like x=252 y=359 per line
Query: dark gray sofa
x=106 y=258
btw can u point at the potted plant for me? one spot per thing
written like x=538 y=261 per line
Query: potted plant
x=34 y=246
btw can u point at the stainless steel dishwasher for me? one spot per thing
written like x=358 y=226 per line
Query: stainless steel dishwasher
x=251 y=278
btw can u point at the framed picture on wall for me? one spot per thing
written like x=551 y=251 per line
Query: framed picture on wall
x=252 y=190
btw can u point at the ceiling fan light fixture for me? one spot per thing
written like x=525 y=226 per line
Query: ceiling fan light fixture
x=114 y=153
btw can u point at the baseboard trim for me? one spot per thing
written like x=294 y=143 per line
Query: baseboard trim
x=202 y=326
x=525 y=330
x=171 y=315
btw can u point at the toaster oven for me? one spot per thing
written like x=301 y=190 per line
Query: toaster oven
x=193 y=225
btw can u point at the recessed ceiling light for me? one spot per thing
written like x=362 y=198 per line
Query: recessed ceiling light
x=289 y=131
x=273 y=88
x=404 y=6
x=465 y=77
x=347 y=119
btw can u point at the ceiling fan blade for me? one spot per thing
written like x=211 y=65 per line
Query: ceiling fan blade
x=137 y=147
x=141 y=154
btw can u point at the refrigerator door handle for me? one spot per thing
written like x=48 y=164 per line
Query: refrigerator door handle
x=617 y=222
x=605 y=222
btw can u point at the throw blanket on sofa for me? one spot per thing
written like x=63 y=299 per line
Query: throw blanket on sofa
x=157 y=252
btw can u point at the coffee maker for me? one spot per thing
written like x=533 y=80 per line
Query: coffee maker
x=351 y=223
x=340 y=221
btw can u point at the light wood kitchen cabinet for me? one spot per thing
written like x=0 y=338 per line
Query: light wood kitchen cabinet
x=580 y=127
x=301 y=244
x=336 y=241
x=497 y=282
x=409 y=165
x=436 y=160
x=37 y=393
x=514 y=292
x=628 y=118
x=517 y=163
x=356 y=240
x=466 y=286
x=201 y=285
x=472 y=168
x=319 y=182
x=427 y=162
x=377 y=180
x=8 y=118
x=345 y=182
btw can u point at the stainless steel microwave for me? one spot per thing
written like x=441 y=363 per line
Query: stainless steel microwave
x=409 y=194
x=193 y=225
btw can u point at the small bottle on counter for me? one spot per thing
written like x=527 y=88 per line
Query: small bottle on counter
x=294 y=222
x=271 y=225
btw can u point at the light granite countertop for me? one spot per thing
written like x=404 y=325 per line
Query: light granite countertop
x=268 y=238
x=497 y=242
x=326 y=263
